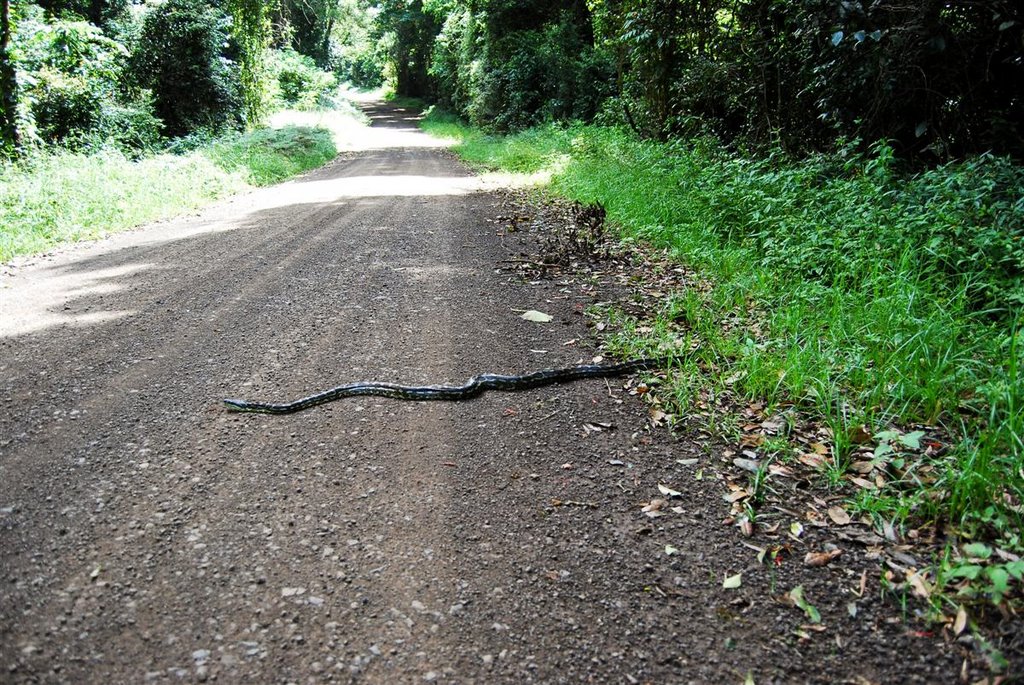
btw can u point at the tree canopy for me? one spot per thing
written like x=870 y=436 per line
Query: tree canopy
x=936 y=79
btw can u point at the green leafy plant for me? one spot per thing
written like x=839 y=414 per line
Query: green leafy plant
x=989 y=575
x=73 y=91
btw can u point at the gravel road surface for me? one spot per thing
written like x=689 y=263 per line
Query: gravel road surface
x=149 y=535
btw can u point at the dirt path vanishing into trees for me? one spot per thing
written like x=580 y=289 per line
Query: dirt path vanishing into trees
x=148 y=535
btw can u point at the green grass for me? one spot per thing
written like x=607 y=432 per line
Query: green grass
x=60 y=197
x=528 y=152
x=864 y=295
x=269 y=156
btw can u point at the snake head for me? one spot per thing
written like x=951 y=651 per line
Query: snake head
x=236 y=405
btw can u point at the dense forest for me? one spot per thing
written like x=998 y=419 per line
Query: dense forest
x=847 y=173
x=938 y=80
x=136 y=75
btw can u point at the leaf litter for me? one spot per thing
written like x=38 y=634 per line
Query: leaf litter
x=773 y=488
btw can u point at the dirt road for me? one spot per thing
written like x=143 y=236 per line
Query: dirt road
x=148 y=535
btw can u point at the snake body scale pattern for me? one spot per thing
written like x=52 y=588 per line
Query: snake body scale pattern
x=474 y=387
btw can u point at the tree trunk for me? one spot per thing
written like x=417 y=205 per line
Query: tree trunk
x=8 y=87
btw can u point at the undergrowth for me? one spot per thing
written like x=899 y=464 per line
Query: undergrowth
x=865 y=296
x=62 y=196
x=269 y=156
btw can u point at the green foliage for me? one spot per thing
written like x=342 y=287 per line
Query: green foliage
x=529 y=151
x=250 y=27
x=507 y=68
x=9 y=138
x=356 y=57
x=180 y=57
x=878 y=297
x=937 y=79
x=62 y=196
x=105 y=14
x=976 y=570
x=298 y=82
x=271 y=155
x=408 y=31
x=309 y=24
x=72 y=92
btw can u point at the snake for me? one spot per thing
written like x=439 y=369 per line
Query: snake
x=474 y=387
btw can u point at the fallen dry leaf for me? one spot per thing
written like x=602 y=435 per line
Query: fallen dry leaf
x=668 y=492
x=736 y=495
x=960 y=622
x=920 y=585
x=839 y=516
x=752 y=440
x=733 y=582
x=862 y=467
x=821 y=558
x=653 y=508
x=815 y=461
x=863 y=583
x=746 y=464
x=860 y=435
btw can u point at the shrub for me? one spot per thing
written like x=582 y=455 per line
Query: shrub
x=272 y=155
x=130 y=127
x=299 y=83
x=180 y=58
x=63 y=107
x=508 y=71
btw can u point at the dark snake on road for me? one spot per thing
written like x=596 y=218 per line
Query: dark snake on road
x=474 y=387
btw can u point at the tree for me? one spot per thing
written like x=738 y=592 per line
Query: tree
x=250 y=27
x=356 y=57
x=410 y=31
x=100 y=13
x=310 y=24
x=509 y=64
x=8 y=86
x=180 y=57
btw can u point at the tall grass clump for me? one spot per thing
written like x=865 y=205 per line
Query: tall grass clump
x=867 y=295
x=268 y=156
x=63 y=196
